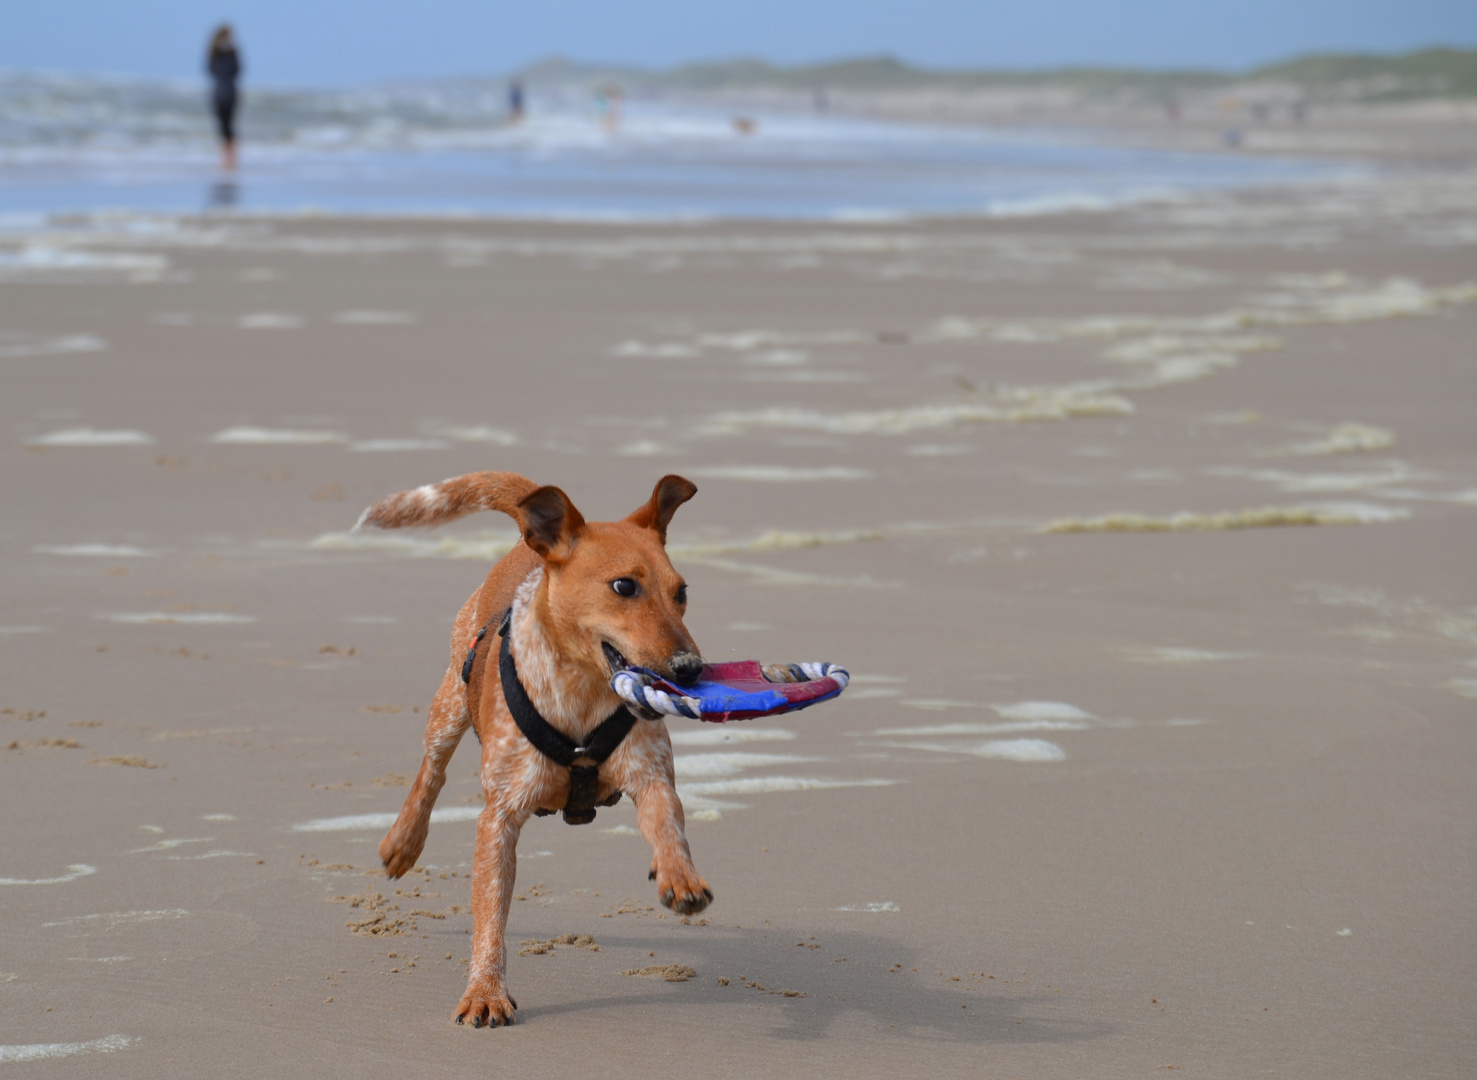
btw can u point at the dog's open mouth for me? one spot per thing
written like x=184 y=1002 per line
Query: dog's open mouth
x=614 y=657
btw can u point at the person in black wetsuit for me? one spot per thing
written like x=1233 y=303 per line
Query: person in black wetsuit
x=224 y=65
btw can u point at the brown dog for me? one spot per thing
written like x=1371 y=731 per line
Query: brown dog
x=583 y=599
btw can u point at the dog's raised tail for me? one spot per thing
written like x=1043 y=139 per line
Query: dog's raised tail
x=436 y=504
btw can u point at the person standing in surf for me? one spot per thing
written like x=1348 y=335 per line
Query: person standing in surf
x=224 y=65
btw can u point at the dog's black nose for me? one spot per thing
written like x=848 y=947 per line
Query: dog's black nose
x=685 y=667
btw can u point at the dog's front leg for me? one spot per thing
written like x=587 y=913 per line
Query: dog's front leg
x=494 y=867
x=659 y=815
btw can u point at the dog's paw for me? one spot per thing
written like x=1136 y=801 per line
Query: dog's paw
x=486 y=1004
x=400 y=849
x=684 y=893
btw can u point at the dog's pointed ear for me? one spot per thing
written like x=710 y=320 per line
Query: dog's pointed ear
x=551 y=524
x=670 y=492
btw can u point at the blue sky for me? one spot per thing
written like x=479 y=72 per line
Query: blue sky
x=339 y=42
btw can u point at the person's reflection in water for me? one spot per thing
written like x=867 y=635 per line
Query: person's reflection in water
x=223 y=195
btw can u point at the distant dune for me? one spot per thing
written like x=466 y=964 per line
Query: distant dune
x=1319 y=78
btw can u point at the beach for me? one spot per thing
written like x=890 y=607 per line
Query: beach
x=1140 y=532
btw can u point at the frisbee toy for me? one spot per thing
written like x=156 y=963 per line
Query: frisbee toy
x=741 y=690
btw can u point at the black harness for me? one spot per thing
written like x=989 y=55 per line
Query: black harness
x=583 y=762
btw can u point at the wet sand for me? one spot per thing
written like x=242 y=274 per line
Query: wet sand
x=1147 y=538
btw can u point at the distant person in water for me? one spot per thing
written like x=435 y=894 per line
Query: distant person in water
x=608 y=107
x=515 y=101
x=224 y=65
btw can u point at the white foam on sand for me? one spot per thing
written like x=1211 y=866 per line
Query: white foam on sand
x=938 y=450
x=1466 y=688
x=364 y=317
x=871 y=907
x=711 y=766
x=1007 y=728
x=270 y=320
x=749 y=340
x=247 y=436
x=1025 y=403
x=170 y=845
x=1169 y=654
x=356 y=822
x=190 y=618
x=113 y=919
x=1162 y=351
x=1042 y=710
x=97 y=551
x=777 y=474
x=778 y=357
x=75 y=871
x=394 y=445
x=212 y=855
x=45 y=1051
x=770 y=575
x=92 y=437
x=1258 y=518
x=644 y=448
x=57 y=262
x=474 y=433
x=1392 y=472
x=722 y=734
x=483 y=546
x=1467 y=497
x=772 y=540
x=759 y=785
x=57 y=346
x=668 y=351
x=1343 y=439
x=1024 y=750
x=1031 y=751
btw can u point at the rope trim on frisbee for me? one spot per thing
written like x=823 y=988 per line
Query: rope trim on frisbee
x=634 y=687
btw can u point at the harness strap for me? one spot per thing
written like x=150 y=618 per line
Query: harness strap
x=583 y=762
x=472 y=652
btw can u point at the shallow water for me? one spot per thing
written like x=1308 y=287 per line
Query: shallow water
x=87 y=145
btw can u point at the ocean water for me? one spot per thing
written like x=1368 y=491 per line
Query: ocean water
x=69 y=144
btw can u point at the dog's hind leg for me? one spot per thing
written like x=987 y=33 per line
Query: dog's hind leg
x=447 y=721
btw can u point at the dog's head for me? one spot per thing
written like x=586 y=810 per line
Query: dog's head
x=611 y=596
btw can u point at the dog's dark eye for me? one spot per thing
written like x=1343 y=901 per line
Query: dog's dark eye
x=681 y=594
x=625 y=586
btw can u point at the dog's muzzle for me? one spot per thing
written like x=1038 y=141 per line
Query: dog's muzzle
x=685 y=668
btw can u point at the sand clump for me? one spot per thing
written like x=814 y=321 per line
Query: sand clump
x=666 y=972
x=381 y=914
x=378 y=920
x=542 y=946
x=64 y=744
x=132 y=761
x=755 y=984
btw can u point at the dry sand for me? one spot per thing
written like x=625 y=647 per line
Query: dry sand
x=1107 y=795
